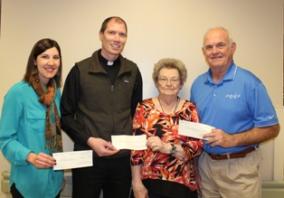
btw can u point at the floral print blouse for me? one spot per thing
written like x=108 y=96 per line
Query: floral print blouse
x=155 y=165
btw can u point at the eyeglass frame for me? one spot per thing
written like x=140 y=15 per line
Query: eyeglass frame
x=165 y=80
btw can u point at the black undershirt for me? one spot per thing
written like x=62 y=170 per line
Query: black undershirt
x=112 y=70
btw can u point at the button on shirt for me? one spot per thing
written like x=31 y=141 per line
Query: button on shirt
x=237 y=103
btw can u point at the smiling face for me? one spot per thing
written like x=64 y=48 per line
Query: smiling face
x=48 y=63
x=113 y=39
x=218 y=49
x=168 y=82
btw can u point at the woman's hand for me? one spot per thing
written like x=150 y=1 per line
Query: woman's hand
x=41 y=160
x=155 y=143
x=139 y=190
x=180 y=154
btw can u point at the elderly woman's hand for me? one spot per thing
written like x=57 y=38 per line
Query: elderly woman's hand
x=156 y=144
x=139 y=190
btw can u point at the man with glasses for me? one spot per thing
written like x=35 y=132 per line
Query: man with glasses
x=236 y=103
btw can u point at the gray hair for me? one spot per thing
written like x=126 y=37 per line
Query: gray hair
x=230 y=40
x=170 y=63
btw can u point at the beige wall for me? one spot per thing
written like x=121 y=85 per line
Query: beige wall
x=157 y=28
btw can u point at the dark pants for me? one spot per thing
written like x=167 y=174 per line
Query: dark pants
x=16 y=194
x=112 y=176
x=190 y=195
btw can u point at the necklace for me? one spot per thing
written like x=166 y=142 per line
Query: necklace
x=174 y=110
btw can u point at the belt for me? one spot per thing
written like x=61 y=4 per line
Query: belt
x=231 y=155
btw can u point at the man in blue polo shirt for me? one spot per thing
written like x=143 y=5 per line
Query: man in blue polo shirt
x=236 y=103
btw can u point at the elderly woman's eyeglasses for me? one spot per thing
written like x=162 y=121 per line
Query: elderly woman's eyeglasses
x=165 y=80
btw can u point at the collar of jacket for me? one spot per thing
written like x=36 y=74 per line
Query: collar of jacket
x=96 y=67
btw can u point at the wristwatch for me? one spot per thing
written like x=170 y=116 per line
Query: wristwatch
x=173 y=149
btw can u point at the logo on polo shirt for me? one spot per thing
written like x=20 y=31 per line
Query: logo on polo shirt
x=233 y=96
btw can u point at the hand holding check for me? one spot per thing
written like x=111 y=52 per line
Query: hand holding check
x=194 y=129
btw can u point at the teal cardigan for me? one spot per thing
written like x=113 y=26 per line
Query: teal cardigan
x=22 y=130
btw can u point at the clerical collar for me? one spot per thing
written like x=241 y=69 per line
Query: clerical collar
x=106 y=62
x=109 y=63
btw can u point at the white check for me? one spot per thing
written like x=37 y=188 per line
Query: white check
x=73 y=159
x=132 y=142
x=193 y=129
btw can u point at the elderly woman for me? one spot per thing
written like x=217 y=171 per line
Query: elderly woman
x=167 y=168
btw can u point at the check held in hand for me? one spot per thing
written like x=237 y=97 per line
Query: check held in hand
x=73 y=159
x=194 y=129
x=131 y=142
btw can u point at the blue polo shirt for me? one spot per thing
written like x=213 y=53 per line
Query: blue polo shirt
x=237 y=103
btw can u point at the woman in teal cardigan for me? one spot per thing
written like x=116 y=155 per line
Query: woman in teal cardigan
x=30 y=125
